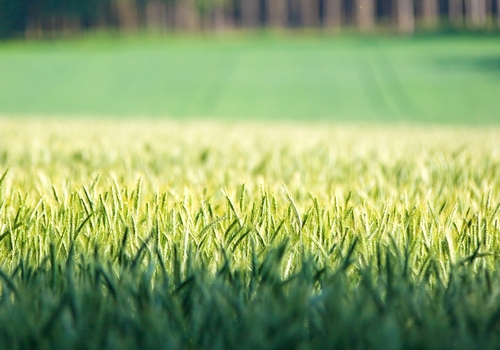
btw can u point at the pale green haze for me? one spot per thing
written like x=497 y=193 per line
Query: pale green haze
x=425 y=79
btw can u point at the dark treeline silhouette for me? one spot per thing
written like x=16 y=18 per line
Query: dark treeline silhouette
x=39 y=18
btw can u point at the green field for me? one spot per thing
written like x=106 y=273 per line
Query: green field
x=293 y=192
x=209 y=235
x=444 y=79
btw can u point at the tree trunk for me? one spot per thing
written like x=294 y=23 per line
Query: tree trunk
x=156 y=15
x=489 y=10
x=219 y=20
x=170 y=15
x=430 y=13
x=475 y=13
x=309 y=13
x=34 y=29
x=333 y=14
x=127 y=15
x=498 y=13
x=405 y=16
x=365 y=15
x=277 y=13
x=228 y=9
x=455 y=12
x=250 y=13
x=186 y=16
x=71 y=25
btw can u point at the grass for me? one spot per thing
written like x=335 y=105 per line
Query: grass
x=439 y=79
x=160 y=234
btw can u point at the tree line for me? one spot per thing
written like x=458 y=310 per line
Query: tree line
x=38 y=18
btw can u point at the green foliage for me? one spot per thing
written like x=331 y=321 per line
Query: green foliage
x=162 y=235
x=12 y=18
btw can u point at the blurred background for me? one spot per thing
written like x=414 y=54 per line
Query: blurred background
x=340 y=60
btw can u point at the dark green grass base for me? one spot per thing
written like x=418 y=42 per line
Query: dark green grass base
x=83 y=303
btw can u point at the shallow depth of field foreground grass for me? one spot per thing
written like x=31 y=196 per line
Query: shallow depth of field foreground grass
x=153 y=235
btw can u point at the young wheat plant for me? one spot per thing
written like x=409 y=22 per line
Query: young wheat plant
x=154 y=234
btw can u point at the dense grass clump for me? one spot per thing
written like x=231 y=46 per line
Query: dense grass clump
x=161 y=235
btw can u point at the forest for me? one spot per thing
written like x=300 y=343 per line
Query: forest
x=47 y=18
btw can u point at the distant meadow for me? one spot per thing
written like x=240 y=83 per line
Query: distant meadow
x=437 y=79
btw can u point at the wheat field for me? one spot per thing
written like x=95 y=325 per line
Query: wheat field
x=159 y=234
